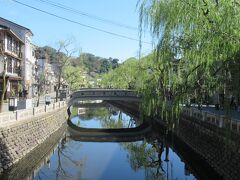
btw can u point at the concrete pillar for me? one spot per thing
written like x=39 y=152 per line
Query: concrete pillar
x=221 y=121
x=204 y=115
x=190 y=112
x=238 y=126
x=16 y=115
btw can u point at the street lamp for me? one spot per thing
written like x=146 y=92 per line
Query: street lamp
x=12 y=104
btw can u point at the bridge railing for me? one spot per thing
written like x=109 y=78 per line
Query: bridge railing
x=8 y=117
x=104 y=93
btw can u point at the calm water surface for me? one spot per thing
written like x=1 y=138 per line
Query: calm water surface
x=146 y=159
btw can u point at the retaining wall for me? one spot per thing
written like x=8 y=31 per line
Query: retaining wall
x=221 y=121
x=220 y=149
x=24 y=130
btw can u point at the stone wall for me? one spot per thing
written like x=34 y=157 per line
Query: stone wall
x=11 y=117
x=29 y=166
x=21 y=137
x=219 y=147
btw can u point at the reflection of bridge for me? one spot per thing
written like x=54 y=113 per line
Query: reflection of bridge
x=108 y=135
x=103 y=94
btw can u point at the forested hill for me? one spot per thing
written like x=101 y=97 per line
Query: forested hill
x=89 y=62
x=94 y=63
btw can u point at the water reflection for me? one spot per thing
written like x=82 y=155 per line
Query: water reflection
x=136 y=160
x=103 y=117
x=150 y=158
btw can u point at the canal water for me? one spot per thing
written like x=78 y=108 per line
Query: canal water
x=152 y=157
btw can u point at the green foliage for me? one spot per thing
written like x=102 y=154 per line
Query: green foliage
x=123 y=77
x=196 y=55
x=197 y=44
x=49 y=53
x=96 y=64
x=74 y=77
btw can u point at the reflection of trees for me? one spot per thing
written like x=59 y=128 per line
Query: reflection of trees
x=148 y=157
x=63 y=156
x=109 y=117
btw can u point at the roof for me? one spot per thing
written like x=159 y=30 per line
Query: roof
x=11 y=32
x=17 y=25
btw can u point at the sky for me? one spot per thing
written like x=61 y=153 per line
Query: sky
x=49 y=30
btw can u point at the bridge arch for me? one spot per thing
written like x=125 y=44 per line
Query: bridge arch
x=102 y=94
x=109 y=135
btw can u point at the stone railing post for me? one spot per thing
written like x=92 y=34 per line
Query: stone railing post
x=17 y=114
x=238 y=126
x=204 y=115
x=221 y=121
x=190 y=112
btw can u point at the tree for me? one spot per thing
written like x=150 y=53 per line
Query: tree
x=4 y=84
x=114 y=63
x=74 y=77
x=196 y=42
x=46 y=52
x=40 y=87
x=124 y=76
x=63 y=57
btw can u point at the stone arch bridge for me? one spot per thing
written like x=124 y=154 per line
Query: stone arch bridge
x=103 y=94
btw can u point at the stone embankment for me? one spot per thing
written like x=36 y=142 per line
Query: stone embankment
x=24 y=130
x=216 y=139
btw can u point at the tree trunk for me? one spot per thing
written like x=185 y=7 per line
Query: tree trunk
x=38 y=98
x=58 y=85
x=4 y=88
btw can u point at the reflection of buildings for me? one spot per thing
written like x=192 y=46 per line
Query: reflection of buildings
x=81 y=111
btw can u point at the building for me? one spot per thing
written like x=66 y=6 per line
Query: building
x=17 y=42
x=11 y=58
x=47 y=77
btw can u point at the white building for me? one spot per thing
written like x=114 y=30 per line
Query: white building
x=11 y=58
x=47 y=75
x=27 y=54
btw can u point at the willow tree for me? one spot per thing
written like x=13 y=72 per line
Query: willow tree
x=196 y=44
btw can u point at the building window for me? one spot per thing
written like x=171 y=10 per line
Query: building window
x=9 y=65
x=14 y=46
x=9 y=42
x=19 y=50
x=1 y=45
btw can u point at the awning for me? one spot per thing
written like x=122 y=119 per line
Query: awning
x=16 y=78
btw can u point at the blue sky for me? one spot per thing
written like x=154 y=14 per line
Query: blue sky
x=48 y=30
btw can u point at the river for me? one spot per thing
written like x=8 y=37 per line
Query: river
x=150 y=157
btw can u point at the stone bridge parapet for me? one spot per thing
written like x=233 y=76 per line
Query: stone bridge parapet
x=103 y=94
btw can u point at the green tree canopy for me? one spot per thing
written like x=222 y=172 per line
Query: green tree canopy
x=197 y=43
